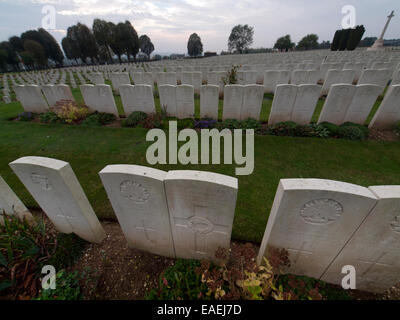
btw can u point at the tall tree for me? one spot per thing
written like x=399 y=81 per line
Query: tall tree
x=83 y=42
x=241 y=38
x=146 y=46
x=70 y=49
x=37 y=52
x=52 y=48
x=132 y=41
x=308 y=42
x=16 y=44
x=336 y=40
x=194 y=45
x=102 y=31
x=355 y=37
x=284 y=43
x=117 y=44
x=11 y=58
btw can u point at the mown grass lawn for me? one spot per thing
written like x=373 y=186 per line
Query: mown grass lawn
x=90 y=149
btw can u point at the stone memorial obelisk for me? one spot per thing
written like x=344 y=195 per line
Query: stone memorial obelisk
x=378 y=45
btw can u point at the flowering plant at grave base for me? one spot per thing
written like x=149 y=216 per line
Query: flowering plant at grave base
x=205 y=124
x=231 y=76
x=69 y=111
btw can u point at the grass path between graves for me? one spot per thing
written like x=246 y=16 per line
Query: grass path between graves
x=89 y=149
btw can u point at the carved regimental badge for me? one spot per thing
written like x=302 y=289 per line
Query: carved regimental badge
x=321 y=211
x=134 y=191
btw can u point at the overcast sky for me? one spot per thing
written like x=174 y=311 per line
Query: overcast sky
x=169 y=23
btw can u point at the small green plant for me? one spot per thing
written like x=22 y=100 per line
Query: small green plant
x=67 y=287
x=134 y=119
x=180 y=282
x=250 y=124
x=231 y=75
x=49 y=117
x=187 y=123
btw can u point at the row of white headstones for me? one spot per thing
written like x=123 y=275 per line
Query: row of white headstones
x=297 y=103
x=322 y=224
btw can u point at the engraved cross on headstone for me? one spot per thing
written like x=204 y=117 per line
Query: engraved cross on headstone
x=374 y=263
x=66 y=218
x=298 y=252
x=146 y=231
x=201 y=227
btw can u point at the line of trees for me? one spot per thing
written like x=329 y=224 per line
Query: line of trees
x=39 y=49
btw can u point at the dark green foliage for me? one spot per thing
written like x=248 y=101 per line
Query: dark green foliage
x=146 y=46
x=284 y=43
x=343 y=39
x=241 y=38
x=351 y=133
x=69 y=249
x=49 y=117
x=355 y=37
x=332 y=128
x=26 y=116
x=310 y=41
x=194 y=46
x=67 y=287
x=304 y=288
x=187 y=123
x=250 y=123
x=134 y=119
x=99 y=119
x=180 y=282
x=336 y=40
x=229 y=124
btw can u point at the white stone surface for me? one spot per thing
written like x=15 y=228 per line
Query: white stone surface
x=99 y=98
x=168 y=99
x=305 y=103
x=337 y=103
x=137 y=98
x=118 y=79
x=185 y=101
x=55 y=93
x=312 y=219
x=253 y=96
x=282 y=105
x=201 y=207
x=388 y=113
x=10 y=204
x=273 y=78
x=362 y=103
x=54 y=186
x=379 y=77
x=337 y=76
x=209 y=101
x=137 y=195
x=31 y=98
x=374 y=250
x=233 y=101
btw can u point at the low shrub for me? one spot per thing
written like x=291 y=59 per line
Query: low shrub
x=332 y=128
x=49 y=117
x=187 y=123
x=134 y=119
x=99 y=119
x=351 y=133
x=69 y=111
x=153 y=120
x=364 y=129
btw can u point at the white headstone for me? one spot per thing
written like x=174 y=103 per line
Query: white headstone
x=312 y=219
x=305 y=103
x=201 y=207
x=253 y=96
x=209 y=101
x=54 y=186
x=185 y=101
x=99 y=98
x=10 y=204
x=282 y=105
x=362 y=103
x=138 y=198
x=233 y=101
x=337 y=103
x=388 y=114
x=137 y=98
x=374 y=249
x=31 y=98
